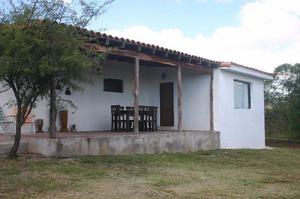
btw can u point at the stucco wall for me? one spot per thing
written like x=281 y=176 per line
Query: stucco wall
x=93 y=113
x=239 y=128
x=195 y=94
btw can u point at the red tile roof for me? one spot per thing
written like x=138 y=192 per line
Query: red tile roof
x=166 y=50
x=149 y=46
x=229 y=64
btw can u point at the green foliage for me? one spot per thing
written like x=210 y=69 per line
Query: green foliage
x=282 y=99
x=37 y=45
x=31 y=55
x=40 y=46
x=22 y=64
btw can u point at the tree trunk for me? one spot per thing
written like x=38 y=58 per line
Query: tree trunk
x=14 y=149
x=53 y=110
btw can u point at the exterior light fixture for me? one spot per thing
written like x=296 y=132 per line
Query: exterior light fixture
x=163 y=76
x=68 y=91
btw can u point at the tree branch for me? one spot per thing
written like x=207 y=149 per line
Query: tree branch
x=5 y=90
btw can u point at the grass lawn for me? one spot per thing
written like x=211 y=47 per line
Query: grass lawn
x=213 y=174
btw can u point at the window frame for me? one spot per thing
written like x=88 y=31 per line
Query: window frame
x=248 y=91
x=111 y=88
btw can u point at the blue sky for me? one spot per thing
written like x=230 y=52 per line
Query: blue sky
x=191 y=16
x=258 y=33
x=262 y=34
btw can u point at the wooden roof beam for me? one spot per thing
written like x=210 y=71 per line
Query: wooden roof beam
x=179 y=57
x=167 y=54
x=123 y=44
x=153 y=51
x=146 y=57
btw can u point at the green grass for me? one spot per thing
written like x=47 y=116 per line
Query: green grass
x=208 y=174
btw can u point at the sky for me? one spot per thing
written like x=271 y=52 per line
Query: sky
x=257 y=33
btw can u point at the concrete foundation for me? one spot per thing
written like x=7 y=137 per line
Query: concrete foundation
x=5 y=147
x=124 y=144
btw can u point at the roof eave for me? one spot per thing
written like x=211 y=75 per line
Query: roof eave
x=248 y=71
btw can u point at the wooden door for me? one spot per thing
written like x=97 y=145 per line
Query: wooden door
x=167 y=104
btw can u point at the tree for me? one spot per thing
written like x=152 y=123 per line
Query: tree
x=40 y=45
x=20 y=71
x=282 y=99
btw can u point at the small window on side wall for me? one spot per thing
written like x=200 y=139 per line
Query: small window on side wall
x=242 y=95
x=113 y=85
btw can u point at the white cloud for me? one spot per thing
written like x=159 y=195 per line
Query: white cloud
x=268 y=35
x=67 y=1
x=225 y=1
x=206 y=1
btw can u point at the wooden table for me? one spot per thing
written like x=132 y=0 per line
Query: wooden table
x=147 y=118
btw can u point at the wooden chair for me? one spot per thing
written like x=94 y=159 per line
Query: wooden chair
x=148 y=118
x=118 y=118
x=143 y=118
x=122 y=119
x=153 y=118
x=5 y=120
x=28 y=120
x=115 y=112
x=129 y=118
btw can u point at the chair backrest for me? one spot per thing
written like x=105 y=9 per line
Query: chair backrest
x=142 y=112
x=154 y=112
x=29 y=119
x=115 y=109
x=129 y=108
x=147 y=112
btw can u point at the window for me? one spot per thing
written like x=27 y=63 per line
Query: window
x=113 y=85
x=242 y=95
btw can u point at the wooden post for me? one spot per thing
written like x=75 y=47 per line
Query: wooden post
x=136 y=94
x=211 y=101
x=179 y=90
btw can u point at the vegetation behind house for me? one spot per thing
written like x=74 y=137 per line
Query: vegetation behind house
x=282 y=103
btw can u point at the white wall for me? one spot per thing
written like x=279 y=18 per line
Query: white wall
x=195 y=94
x=196 y=109
x=93 y=113
x=5 y=99
x=239 y=128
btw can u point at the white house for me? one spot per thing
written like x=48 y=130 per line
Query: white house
x=192 y=93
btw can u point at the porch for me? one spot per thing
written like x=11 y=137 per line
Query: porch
x=136 y=75
x=179 y=85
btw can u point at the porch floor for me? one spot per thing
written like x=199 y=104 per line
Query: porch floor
x=97 y=134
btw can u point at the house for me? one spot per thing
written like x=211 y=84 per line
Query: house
x=224 y=102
